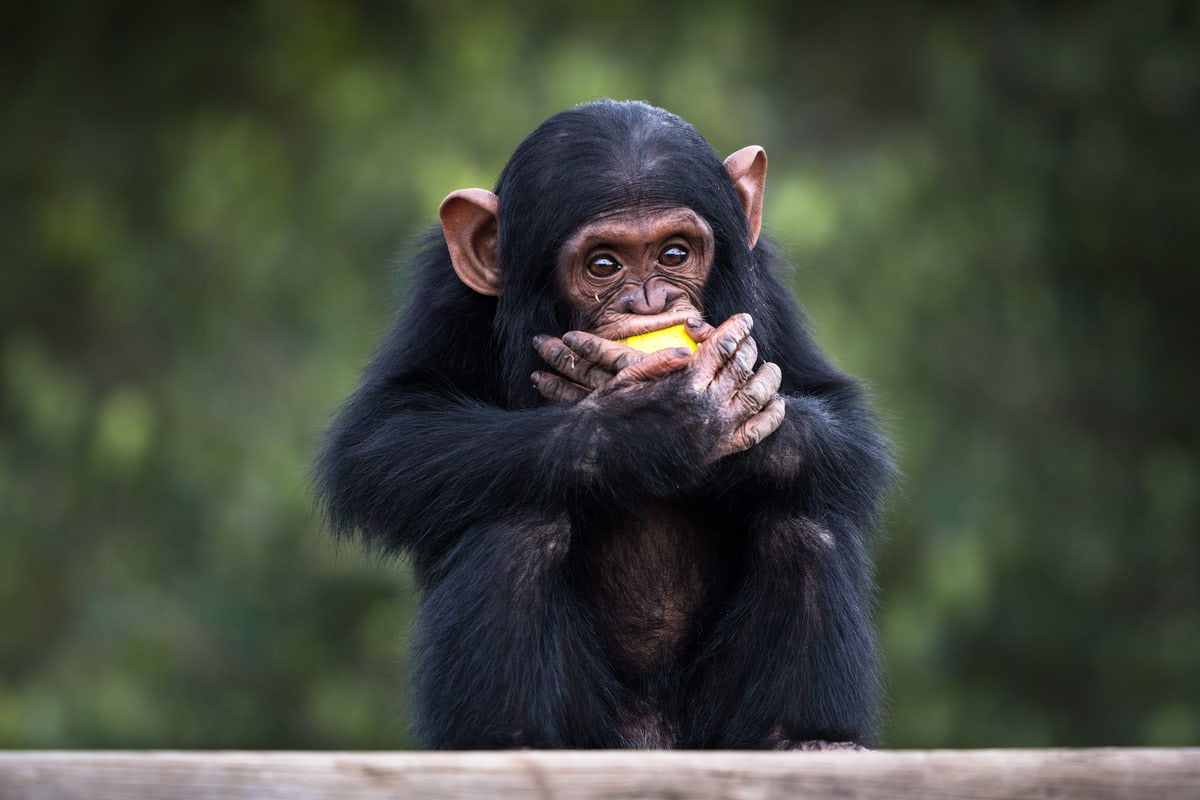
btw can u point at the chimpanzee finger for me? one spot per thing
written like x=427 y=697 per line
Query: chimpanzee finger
x=698 y=329
x=654 y=366
x=556 y=389
x=606 y=356
x=758 y=427
x=739 y=368
x=762 y=386
x=718 y=348
x=568 y=362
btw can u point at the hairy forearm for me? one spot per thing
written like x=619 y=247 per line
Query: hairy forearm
x=826 y=458
x=410 y=469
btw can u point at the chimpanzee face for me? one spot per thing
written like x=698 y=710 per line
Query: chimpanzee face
x=636 y=271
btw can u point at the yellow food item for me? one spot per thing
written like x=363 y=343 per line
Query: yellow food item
x=674 y=336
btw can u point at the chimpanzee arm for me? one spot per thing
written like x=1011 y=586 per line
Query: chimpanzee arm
x=411 y=467
x=826 y=458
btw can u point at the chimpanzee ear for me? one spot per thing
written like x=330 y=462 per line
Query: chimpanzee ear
x=748 y=168
x=469 y=220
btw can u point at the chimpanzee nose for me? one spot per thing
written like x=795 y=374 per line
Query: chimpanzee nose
x=652 y=297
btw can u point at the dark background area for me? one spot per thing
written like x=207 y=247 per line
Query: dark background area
x=993 y=217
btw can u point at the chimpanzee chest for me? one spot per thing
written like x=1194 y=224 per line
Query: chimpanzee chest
x=649 y=576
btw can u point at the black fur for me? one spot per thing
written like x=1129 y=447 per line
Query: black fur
x=523 y=518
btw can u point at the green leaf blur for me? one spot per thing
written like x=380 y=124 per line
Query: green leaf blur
x=994 y=220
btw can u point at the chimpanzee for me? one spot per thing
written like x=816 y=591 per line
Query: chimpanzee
x=618 y=549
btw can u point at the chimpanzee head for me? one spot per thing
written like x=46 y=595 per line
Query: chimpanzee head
x=614 y=218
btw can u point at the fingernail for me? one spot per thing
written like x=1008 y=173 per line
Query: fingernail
x=571 y=339
x=694 y=322
x=533 y=378
x=683 y=351
x=538 y=341
x=728 y=344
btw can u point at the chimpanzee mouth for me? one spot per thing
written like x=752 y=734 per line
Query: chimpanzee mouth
x=635 y=325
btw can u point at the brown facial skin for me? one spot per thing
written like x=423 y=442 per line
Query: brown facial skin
x=635 y=272
x=639 y=272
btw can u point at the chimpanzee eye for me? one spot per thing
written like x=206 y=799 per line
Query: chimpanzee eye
x=603 y=266
x=673 y=256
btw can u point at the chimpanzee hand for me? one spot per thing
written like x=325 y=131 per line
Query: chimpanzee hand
x=588 y=362
x=742 y=403
x=726 y=398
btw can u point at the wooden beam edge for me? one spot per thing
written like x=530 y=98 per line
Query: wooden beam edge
x=582 y=775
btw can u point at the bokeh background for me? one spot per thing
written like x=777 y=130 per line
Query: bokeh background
x=993 y=215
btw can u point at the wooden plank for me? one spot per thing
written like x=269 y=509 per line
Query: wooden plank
x=1102 y=774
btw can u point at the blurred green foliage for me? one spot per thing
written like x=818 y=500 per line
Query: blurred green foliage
x=994 y=220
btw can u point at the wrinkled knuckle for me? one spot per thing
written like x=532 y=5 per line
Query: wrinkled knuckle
x=600 y=376
x=753 y=395
x=556 y=354
x=635 y=373
x=771 y=376
x=751 y=347
x=745 y=360
x=587 y=347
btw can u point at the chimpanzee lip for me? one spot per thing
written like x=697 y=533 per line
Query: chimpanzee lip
x=649 y=324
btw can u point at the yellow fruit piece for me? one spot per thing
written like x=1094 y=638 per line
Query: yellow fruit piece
x=674 y=336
